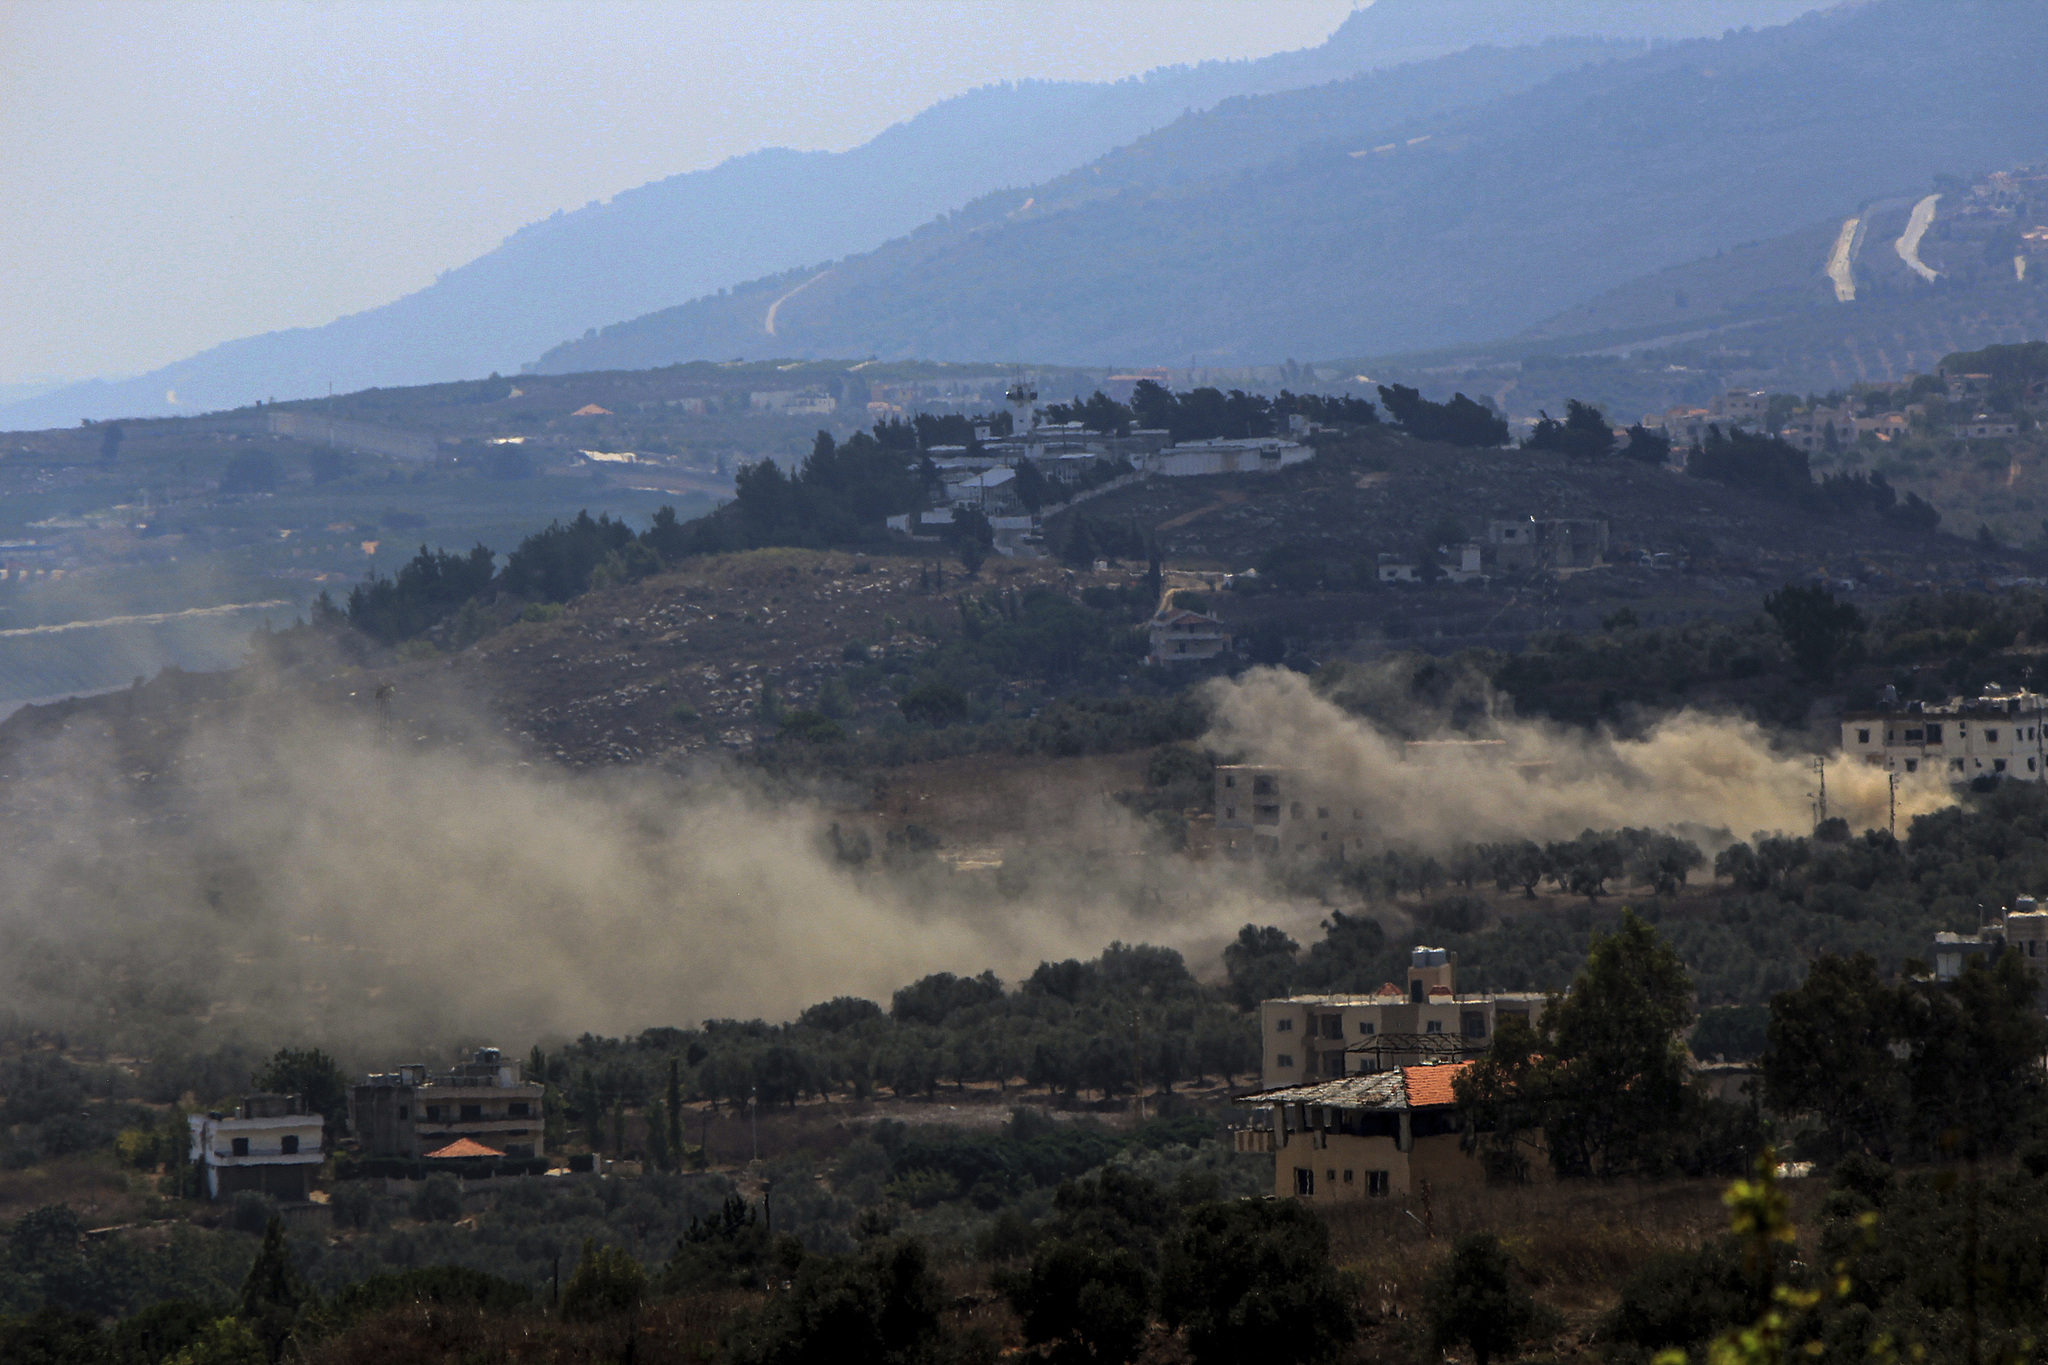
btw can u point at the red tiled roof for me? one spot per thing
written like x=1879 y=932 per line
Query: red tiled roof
x=1389 y=988
x=465 y=1147
x=1431 y=1085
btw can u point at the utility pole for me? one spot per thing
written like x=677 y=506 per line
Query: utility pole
x=1894 y=804
x=1820 y=768
x=754 y=1119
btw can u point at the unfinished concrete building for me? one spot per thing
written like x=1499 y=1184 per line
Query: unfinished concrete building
x=1530 y=544
x=409 y=1112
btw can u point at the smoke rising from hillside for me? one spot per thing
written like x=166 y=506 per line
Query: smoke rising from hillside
x=312 y=882
x=1691 y=772
x=303 y=877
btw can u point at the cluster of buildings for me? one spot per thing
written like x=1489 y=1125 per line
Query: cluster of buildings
x=1821 y=428
x=1068 y=455
x=481 y=1110
x=1561 y=545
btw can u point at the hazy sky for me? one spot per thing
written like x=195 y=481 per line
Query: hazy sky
x=179 y=173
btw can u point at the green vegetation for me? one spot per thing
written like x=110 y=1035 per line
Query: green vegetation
x=1459 y=422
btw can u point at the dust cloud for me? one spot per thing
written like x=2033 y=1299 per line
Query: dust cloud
x=305 y=874
x=317 y=882
x=1692 y=773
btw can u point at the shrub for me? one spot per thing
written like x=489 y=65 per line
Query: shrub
x=352 y=1204
x=1253 y=1281
x=866 y=1310
x=251 y=1212
x=1473 y=1300
x=1084 y=1303
x=934 y=703
x=439 y=1199
x=607 y=1283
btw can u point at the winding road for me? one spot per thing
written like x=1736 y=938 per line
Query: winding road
x=1908 y=245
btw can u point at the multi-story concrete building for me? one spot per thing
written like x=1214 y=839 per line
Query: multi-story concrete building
x=1998 y=734
x=1180 y=636
x=271 y=1144
x=1557 y=543
x=1306 y=1038
x=409 y=1113
x=1364 y=1136
x=1357 y=1097
x=1284 y=810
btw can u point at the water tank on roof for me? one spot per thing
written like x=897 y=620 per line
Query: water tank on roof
x=1429 y=957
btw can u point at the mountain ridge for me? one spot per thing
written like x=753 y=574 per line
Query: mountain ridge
x=1324 y=249
x=779 y=209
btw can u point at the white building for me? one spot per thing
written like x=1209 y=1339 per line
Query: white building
x=1308 y=1038
x=270 y=1145
x=1258 y=455
x=1180 y=636
x=1999 y=734
x=1985 y=427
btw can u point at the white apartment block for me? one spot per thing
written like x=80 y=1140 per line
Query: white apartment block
x=1998 y=734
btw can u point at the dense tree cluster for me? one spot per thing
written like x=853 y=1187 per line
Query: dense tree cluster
x=1459 y=422
x=1068 y=1028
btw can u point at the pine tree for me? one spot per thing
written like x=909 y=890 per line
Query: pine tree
x=273 y=1293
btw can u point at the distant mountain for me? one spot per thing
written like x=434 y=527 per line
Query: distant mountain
x=769 y=211
x=1341 y=221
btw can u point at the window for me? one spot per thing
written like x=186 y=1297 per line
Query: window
x=2030 y=765
x=433 y=1113
x=1284 y=1026
x=1434 y=1026
x=1365 y=1028
x=1912 y=765
x=1473 y=1024
x=1330 y=1176
x=1863 y=736
x=1230 y=812
x=518 y=1109
x=1262 y=786
x=1914 y=736
x=1955 y=765
x=472 y=1112
x=1322 y=812
x=1378 y=1183
x=1933 y=733
x=1230 y=781
x=239 y=1146
x=1284 y=1059
x=1347 y=1177
x=1304 y=1180
x=1333 y=1026
x=403 y=1112
x=289 y=1144
x=1991 y=736
x=1998 y=765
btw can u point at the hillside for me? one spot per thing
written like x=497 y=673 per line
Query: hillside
x=1342 y=226
x=769 y=211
